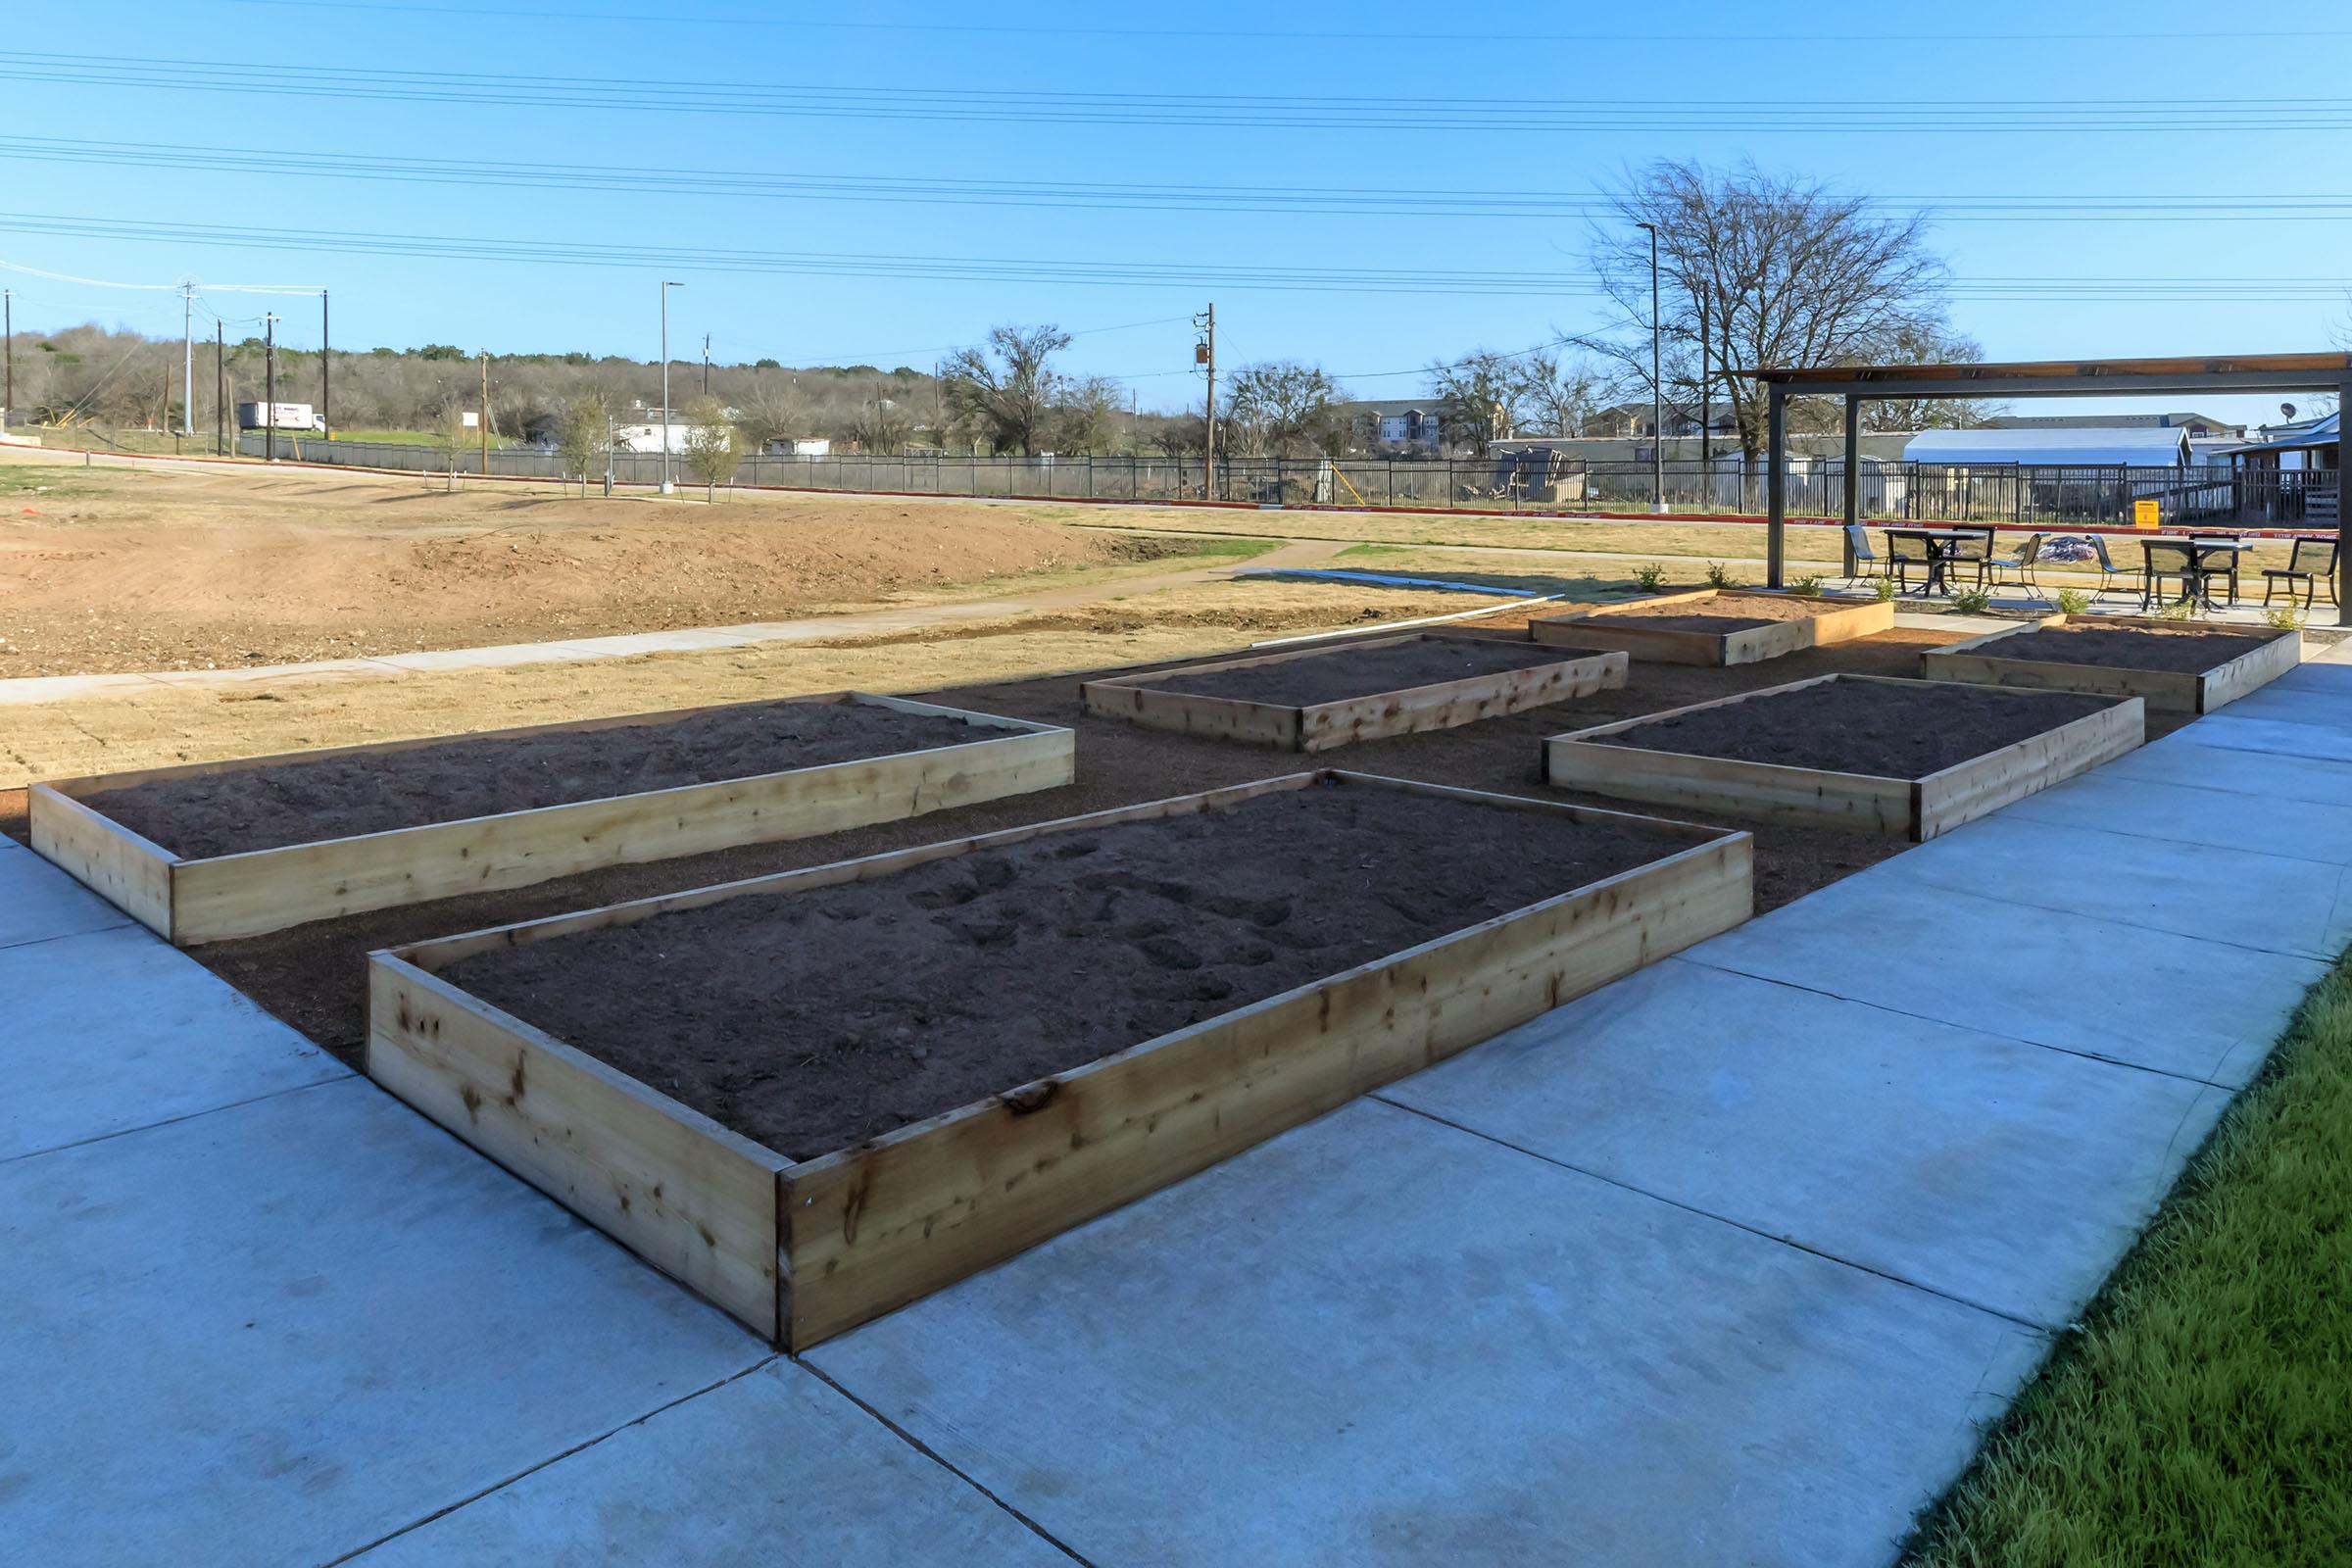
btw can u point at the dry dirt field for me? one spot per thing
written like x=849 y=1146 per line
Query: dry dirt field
x=154 y=569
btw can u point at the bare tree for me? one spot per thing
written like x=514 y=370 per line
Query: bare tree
x=1757 y=269
x=881 y=427
x=584 y=434
x=1085 y=417
x=1007 y=389
x=1557 y=395
x=711 y=451
x=773 y=410
x=1929 y=346
x=1480 y=397
x=1286 y=409
x=454 y=432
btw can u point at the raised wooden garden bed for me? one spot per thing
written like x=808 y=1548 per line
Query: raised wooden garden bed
x=862 y=1042
x=313 y=873
x=1908 y=757
x=2172 y=666
x=1716 y=626
x=1320 y=698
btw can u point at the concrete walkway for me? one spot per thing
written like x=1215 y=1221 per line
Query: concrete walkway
x=694 y=639
x=1725 y=1263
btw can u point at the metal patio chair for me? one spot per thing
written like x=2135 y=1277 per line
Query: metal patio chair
x=2221 y=563
x=1867 y=564
x=1904 y=551
x=2109 y=571
x=1973 y=552
x=2023 y=565
x=2309 y=561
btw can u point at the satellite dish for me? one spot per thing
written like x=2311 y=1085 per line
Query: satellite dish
x=2287 y=410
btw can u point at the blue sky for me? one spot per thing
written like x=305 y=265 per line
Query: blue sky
x=2064 y=104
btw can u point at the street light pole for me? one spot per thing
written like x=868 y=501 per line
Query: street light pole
x=1657 y=387
x=666 y=288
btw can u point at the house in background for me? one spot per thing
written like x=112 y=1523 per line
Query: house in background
x=2104 y=445
x=1404 y=427
x=2200 y=426
x=2293 y=473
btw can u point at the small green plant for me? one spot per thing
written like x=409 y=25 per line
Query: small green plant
x=1649 y=577
x=1720 y=576
x=1972 y=601
x=1883 y=587
x=2072 y=601
x=1807 y=588
x=2283 y=617
x=2177 y=609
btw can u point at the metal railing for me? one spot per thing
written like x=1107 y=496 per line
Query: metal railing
x=2021 y=495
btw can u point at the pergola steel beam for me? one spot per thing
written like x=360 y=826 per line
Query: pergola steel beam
x=2296 y=373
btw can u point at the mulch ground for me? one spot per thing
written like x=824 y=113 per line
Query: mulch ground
x=315 y=976
x=1725 y=612
x=1850 y=727
x=2180 y=649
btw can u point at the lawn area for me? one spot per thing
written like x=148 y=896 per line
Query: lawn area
x=2203 y=1414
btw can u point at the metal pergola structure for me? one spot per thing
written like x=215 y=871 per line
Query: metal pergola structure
x=1857 y=383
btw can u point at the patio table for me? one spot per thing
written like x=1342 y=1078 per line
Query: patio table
x=1942 y=545
x=2200 y=547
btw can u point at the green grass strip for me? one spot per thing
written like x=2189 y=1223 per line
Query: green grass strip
x=2202 y=1413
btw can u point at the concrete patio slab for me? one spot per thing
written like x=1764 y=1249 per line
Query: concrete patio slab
x=2171 y=1004
x=774 y=1468
x=1377 y=1340
x=2189 y=813
x=2007 y=1175
x=2177 y=760
x=74 y=1065
x=2298 y=704
x=2248 y=732
x=38 y=903
x=2193 y=890
x=280 y=1331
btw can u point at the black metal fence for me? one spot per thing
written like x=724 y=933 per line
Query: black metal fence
x=2022 y=495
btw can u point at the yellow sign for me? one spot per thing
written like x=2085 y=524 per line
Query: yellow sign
x=2144 y=515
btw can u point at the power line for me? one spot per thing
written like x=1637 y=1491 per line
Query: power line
x=1295 y=200
x=1685 y=39
x=1422 y=116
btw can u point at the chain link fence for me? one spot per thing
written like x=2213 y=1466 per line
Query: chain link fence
x=1511 y=481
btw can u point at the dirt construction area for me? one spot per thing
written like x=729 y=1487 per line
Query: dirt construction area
x=108 y=569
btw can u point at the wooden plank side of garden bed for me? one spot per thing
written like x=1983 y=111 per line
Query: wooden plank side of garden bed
x=870 y=1229
x=1980 y=661
x=865 y=1228
x=119 y=865
x=675 y=1188
x=1581 y=760
x=266 y=890
x=1984 y=784
x=1448 y=705
x=1610 y=626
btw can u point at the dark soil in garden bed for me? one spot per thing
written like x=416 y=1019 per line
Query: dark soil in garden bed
x=813 y=1020
x=315 y=976
x=2189 y=650
x=1725 y=613
x=1348 y=672
x=1862 y=726
x=336 y=797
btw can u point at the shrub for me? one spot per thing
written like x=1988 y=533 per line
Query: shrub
x=1807 y=588
x=1972 y=601
x=2072 y=601
x=2177 y=609
x=1720 y=576
x=2285 y=618
x=1649 y=577
x=1883 y=587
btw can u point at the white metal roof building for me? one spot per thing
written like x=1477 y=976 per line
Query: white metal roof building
x=2071 y=446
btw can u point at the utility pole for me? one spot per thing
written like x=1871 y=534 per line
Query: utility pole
x=486 y=419
x=1706 y=417
x=667 y=487
x=188 y=359
x=1205 y=353
x=268 y=389
x=8 y=337
x=1657 y=387
x=705 y=364
x=219 y=388
x=327 y=372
